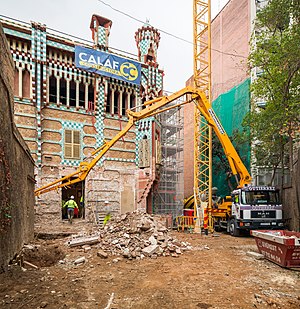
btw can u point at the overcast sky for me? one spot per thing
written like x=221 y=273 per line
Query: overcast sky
x=175 y=56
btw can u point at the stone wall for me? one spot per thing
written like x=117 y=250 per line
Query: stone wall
x=16 y=170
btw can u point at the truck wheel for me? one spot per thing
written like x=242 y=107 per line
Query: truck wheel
x=233 y=230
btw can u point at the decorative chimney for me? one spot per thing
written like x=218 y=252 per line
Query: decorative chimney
x=100 y=27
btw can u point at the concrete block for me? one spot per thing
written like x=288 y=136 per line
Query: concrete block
x=150 y=249
x=255 y=255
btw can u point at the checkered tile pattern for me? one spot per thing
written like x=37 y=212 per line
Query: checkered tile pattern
x=159 y=80
x=99 y=117
x=17 y=34
x=144 y=46
x=61 y=46
x=101 y=36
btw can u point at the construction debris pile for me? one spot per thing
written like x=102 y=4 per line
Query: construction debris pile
x=135 y=235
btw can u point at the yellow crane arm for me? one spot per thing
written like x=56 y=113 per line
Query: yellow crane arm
x=235 y=162
x=152 y=108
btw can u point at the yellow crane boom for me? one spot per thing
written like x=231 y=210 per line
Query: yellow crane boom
x=152 y=108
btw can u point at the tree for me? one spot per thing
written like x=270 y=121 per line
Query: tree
x=275 y=52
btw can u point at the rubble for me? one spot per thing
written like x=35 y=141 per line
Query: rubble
x=102 y=254
x=83 y=240
x=133 y=235
x=80 y=260
x=136 y=235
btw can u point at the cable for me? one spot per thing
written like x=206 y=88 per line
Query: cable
x=68 y=35
x=168 y=33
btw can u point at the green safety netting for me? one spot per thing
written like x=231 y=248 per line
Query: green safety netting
x=231 y=108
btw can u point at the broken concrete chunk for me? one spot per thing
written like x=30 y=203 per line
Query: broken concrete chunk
x=161 y=238
x=85 y=240
x=161 y=228
x=150 y=249
x=80 y=260
x=123 y=217
x=86 y=248
x=126 y=253
x=153 y=240
x=255 y=255
x=178 y=251
x=102 y=254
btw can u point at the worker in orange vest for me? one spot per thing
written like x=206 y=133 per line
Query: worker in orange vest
x=71 y=204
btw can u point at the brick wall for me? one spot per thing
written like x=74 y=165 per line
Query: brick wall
x=16 y=170
x=230 y=35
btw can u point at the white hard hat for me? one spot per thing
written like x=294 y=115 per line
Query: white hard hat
x=72 y=197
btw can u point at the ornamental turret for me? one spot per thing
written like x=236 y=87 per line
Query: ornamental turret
x=147 y=40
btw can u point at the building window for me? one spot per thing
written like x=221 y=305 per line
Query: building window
x=91 y=93
x=52 y=89
x=16 y=82
x=132 y=101
x=63 y=91
x=81 y=94
x=108 y=100
x=72 y=93
x=144 y=152
x=72 y=144
x=124 y=103
x=116 y=102
x=25 y=84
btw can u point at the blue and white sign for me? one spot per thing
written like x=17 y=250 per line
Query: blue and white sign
x=109 y=65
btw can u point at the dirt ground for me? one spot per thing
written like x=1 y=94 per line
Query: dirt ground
x=215 y=273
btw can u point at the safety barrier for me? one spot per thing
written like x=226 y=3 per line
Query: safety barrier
x=185 y=222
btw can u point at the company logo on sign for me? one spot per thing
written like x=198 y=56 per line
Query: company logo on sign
x=107 y=64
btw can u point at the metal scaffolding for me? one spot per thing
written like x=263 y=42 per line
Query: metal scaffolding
x=168 y=196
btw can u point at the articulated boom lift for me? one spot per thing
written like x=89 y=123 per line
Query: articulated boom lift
x=152 y=108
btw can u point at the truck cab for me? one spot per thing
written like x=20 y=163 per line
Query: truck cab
x=255 y=207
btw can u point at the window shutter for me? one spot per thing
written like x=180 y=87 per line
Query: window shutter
x=76 y=137
x=68 y=151
x=72 y=144
x=68 y=136
x=76 y=151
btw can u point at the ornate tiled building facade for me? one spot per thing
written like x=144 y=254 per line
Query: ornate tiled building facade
x=65 y=113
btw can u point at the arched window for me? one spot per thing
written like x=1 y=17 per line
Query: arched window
x=52 y=89
x=63 y=91
x=72 y=93
x=16 y=82
x=25 y=84
x=151 y=54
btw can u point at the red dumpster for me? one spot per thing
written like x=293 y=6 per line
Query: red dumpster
x=279 y=246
